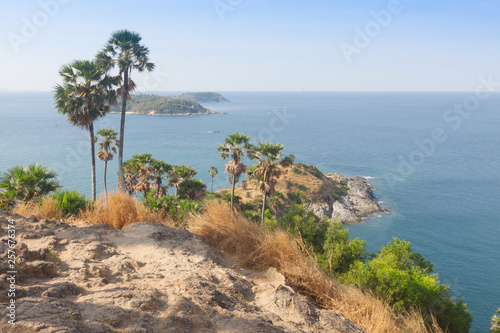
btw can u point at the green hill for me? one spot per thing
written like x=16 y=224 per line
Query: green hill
x=203 y=97
x=162 y=105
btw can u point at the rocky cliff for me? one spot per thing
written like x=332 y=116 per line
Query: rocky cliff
x=146 y=278
x=345 y=199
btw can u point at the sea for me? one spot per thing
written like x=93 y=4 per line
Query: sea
x=433 y=159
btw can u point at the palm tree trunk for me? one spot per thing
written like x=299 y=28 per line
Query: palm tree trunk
x=212 y=186
x=122 y=129
x=232 y=192
x=92 y=153
x=105 y=186
x=264 y=199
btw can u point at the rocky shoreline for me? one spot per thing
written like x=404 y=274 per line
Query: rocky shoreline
x=357 y=203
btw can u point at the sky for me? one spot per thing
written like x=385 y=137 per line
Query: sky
x=261 y=45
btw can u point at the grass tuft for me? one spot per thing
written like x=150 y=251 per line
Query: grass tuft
x=120 y=210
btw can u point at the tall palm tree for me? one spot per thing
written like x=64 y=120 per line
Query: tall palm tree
x=107 y=149
x=268 y=169
x=212 y=172
x=26 y=183
x=124 y=50
x=85 y=95
x=179 y=174
x=160 y=168
x=235 y=146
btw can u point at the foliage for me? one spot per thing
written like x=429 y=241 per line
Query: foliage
x=300 y=222
x=268 y=168
x=162 y=105
x=203 y=97
x=193 y=189
x=339 y=253
x=235 y=146
x=495 y=322
x=405 y=280
x=69 y=202
x=85 y=95
x=107 y=149
x=169 y=205
x=180 y=174
x=25 y=183
x=124 y=51
x=212 y=172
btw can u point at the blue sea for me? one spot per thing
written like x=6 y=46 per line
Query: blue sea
x=435 y=168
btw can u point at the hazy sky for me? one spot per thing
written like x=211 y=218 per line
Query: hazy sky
x=260 y=45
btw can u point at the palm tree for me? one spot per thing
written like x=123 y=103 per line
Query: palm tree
x=235 y=146
x=160 y=168
x=124 y=50
x=268 y=169
x=212 y=172
x=179 y=174
x=85 y=95
x=276 y=199
x=107 y=148
x=26 y=183
x=142 y=165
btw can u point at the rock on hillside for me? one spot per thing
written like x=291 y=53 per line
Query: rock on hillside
x=145 y=278
x=346 y=199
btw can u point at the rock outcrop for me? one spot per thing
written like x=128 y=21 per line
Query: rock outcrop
x=145 y=278
x=345 y=199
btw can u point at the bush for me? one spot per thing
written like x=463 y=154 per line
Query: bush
x=339 y=252
x=69 y=202
x=168 y=205
x=405 y=280
x=25 y=183
x=193 y=189
x=299 y=222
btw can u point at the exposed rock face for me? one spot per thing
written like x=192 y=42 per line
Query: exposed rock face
x=146 y=278
x=350 y=208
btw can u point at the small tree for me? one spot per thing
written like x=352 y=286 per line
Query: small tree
x=276 y=200
x=107 y=148
x=212 y=172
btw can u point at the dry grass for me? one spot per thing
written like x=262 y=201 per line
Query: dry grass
x=46 y=209
x=120 y=210
x=255 y=248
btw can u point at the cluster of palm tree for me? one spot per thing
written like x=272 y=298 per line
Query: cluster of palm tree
x=143 y=173
x=265 y=172
x=89 y=90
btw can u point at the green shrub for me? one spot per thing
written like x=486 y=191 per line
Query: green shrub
x=339 y=253
x=193 y=189
x=296 y=171
x=299 y=222
x=168 y=205
x=405 y=280
x=69 y=202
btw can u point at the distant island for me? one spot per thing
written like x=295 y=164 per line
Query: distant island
x=203 y=97
x=155 y=105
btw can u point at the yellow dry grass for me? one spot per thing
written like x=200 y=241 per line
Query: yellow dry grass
x=255 y=248
x=119 y=210
x=46 y=209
